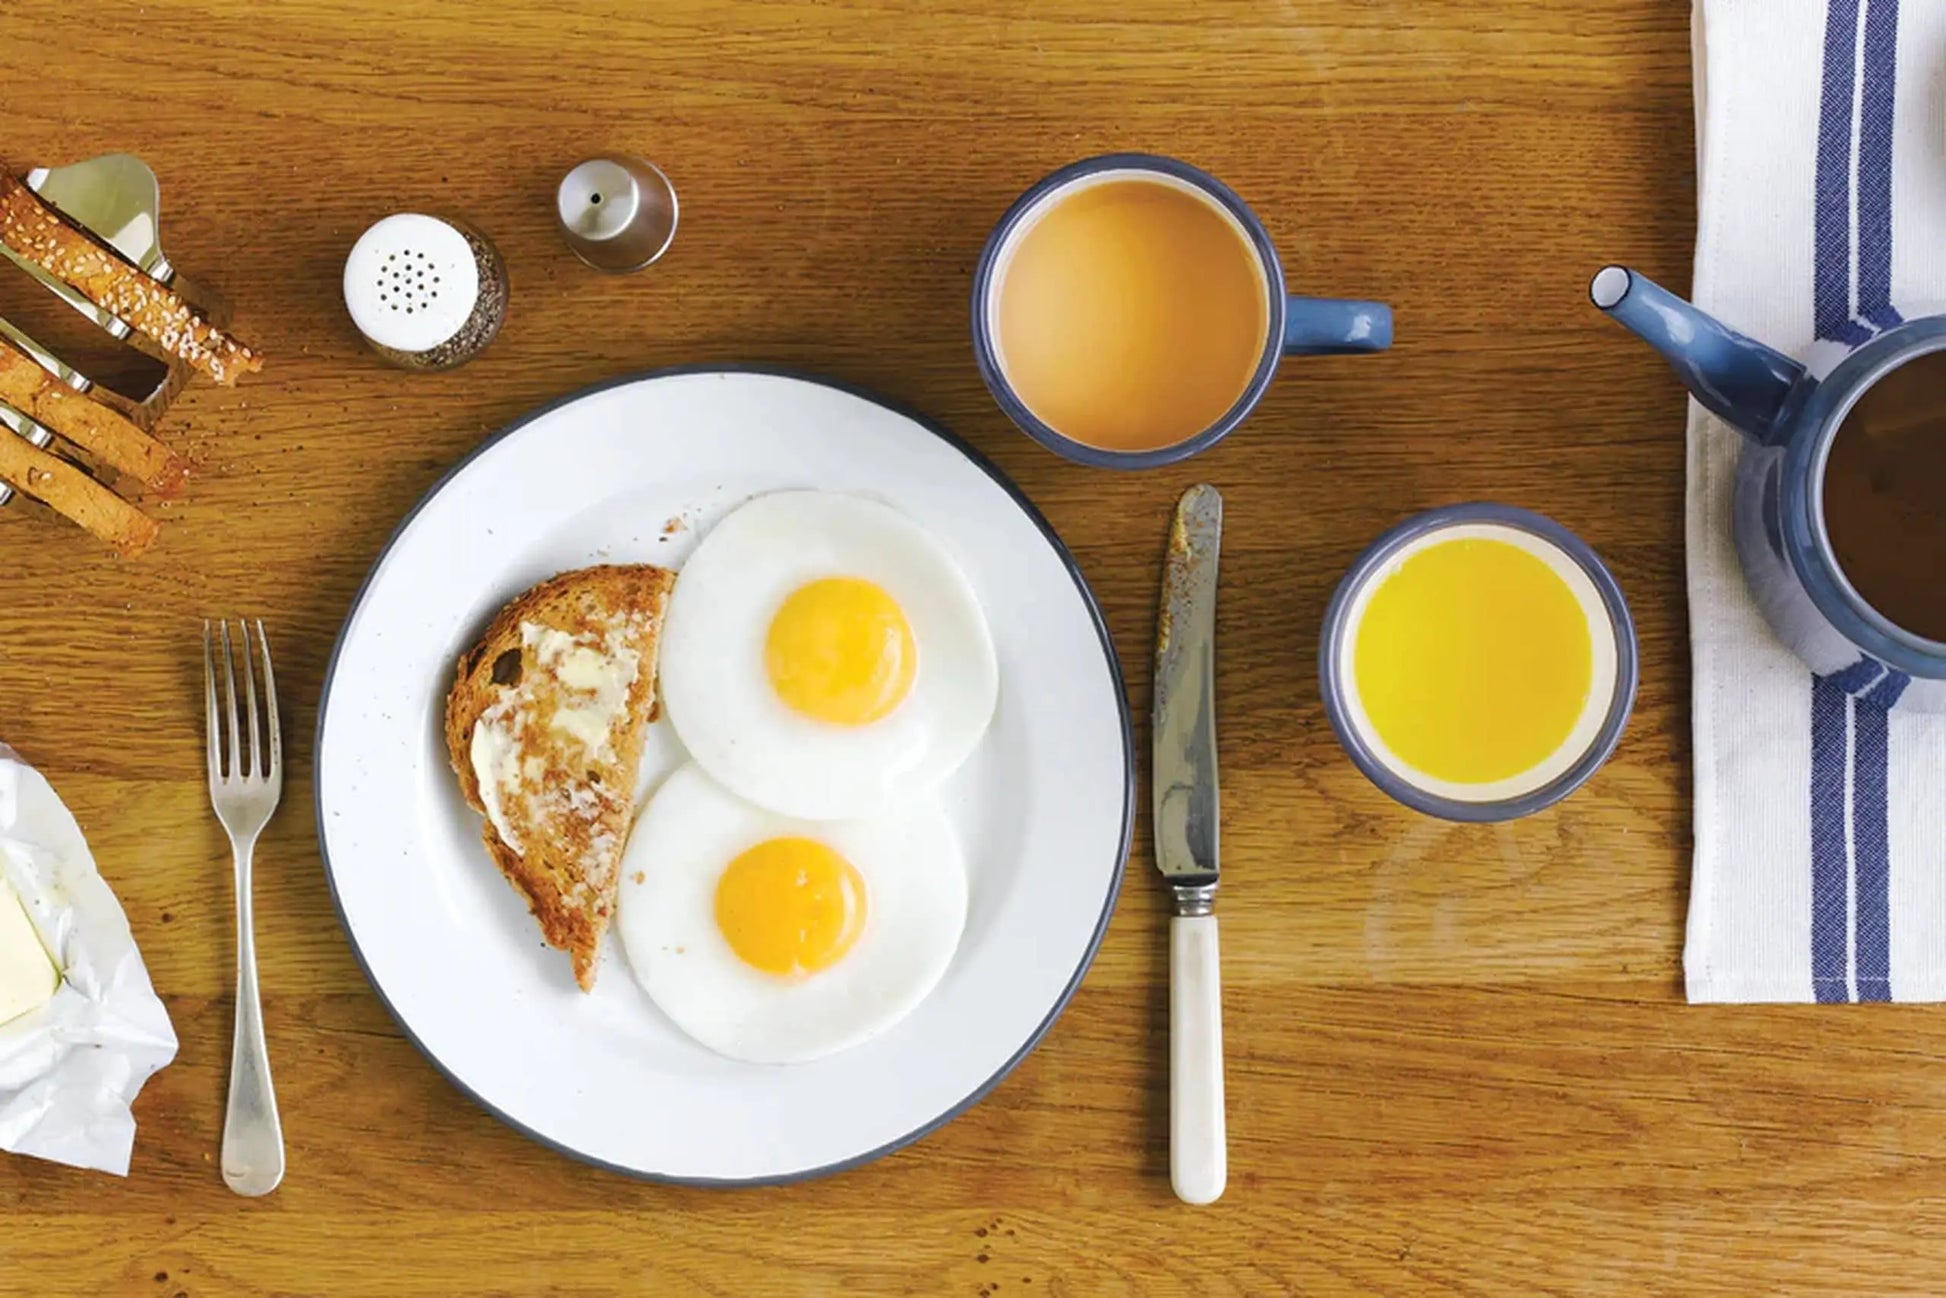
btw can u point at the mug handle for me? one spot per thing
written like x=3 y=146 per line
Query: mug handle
x=1329 y=326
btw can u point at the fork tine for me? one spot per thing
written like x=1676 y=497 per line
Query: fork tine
x=256 y=767
x=209 y=700
x=276 y=769
x=229 y=704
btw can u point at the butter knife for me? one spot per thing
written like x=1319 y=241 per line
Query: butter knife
x=1185 y=811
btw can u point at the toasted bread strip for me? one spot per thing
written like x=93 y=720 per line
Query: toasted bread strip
x=93 y=427
x=67 y=490
x=31 y=229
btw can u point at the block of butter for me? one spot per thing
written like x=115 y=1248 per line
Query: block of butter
x=81 y=1028
x=28 y=978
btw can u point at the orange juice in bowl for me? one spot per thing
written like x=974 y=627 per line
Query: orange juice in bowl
x=1478 y=662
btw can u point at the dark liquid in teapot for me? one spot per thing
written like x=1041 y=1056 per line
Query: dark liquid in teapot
x=1885 y=496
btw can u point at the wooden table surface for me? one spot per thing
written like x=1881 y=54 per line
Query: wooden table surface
x=1459 y=1060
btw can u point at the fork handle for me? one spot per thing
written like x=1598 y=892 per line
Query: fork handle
x=253 y=1138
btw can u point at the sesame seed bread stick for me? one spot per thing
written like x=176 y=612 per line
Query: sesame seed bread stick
x=33 y=231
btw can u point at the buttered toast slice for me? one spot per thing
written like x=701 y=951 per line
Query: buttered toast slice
x=545 y=726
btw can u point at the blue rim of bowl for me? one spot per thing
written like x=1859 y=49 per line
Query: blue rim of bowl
x=1109 y=657
x=1375 y=558
x=987 y=354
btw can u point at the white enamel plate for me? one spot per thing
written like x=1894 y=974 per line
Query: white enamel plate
x=635 y=471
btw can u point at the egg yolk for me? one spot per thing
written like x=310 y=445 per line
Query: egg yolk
x=840 y=651
x=790 y=906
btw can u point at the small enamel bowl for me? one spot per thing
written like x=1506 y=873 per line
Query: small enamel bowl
x=1612 y=678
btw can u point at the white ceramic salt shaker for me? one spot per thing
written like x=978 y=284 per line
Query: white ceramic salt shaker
x=427 y=292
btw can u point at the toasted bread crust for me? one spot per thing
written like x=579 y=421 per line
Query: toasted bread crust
x=111 y=437
x=70 y=492
x=30 y=228
x=569 y=866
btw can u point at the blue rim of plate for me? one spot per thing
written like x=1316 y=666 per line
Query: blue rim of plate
x=1113 y=661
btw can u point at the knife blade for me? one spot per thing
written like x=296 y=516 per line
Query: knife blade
x=1185 y=799
x=1185 y=812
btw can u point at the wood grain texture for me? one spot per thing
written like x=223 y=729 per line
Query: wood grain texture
x=1458 y=1058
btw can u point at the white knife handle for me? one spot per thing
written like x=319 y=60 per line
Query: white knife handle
x=1198 y=1143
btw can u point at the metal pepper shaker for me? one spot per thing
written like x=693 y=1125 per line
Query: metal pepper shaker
x=617 y=212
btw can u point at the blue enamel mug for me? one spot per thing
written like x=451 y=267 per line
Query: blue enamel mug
x=1293 y=325
x=1817 y=529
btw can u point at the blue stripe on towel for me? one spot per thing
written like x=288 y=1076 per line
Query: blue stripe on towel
x=1855 y=678
x=1830 y=909
x=1871 y=847
x=1854 y=332
x=1833 y=918
x=1885 y=317
x=1850 y=743
x=1890 y=686
x=1871 y=852
x=1831 y=265
x=1875 y=163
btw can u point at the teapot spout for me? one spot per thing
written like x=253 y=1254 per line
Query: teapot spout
x=1738 y=378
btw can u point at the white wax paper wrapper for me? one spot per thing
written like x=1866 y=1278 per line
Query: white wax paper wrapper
x=70 y=1069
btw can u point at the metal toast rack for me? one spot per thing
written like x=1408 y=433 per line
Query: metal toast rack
x=115 y=198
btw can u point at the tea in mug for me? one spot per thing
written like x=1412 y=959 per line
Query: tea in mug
x=1885 y=496
x=1131 y=315
x=1482 y=662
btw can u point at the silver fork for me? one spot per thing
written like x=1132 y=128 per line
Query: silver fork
x=245 y=794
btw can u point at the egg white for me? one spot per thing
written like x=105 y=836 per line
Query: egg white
x=718 y=694
x=915 y=911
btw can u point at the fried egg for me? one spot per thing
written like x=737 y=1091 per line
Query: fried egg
x=823 y=656
x=775 y=940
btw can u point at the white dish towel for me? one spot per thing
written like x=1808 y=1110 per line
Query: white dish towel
x=1820 y=869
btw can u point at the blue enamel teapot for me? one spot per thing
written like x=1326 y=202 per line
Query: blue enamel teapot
x=1790 y=413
